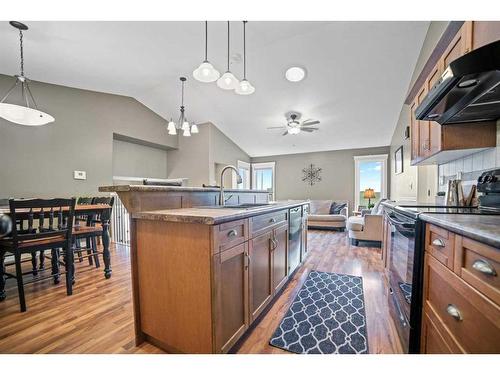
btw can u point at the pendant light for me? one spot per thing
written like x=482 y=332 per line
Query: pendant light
x=206 y=71
x=228 y=81
x=182 y=123
x=23 y=115
x=245 y=87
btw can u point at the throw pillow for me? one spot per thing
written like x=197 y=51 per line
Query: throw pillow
x=335 y=208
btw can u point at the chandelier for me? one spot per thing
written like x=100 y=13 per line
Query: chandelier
x=182 y=122
x=27 y=114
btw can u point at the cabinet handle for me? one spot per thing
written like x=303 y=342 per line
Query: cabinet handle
x=454 y=312
x=485 y=267
x=272 y=220
x=438 y=242
x=248 y=260
x=232 y=233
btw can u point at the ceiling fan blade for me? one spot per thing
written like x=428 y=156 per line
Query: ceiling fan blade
x=277 y=127
x=285 y=133
x=305 y=123
x=309 y=130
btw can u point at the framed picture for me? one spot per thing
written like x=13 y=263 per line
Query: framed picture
x=398 y=160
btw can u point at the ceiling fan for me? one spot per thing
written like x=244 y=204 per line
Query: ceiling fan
x=295 y=126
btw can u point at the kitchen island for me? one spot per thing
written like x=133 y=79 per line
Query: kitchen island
x=203 y=275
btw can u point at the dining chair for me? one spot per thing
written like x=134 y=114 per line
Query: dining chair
x=83 y=218
x=92 y=230
x=54 y=232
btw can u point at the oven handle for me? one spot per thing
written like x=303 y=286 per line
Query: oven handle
x=396 y=303
x=397 y=222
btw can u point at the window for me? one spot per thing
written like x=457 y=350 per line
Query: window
x=370 y=173
x=244 y=170
x=263 y=177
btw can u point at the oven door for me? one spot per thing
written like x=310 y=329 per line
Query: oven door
x=400 y=262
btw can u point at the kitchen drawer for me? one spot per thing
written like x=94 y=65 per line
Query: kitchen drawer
x=230 y=234
x=440 y=243
x=472 y=320
x=478 y=264
x=436 y=338
x=262 y=223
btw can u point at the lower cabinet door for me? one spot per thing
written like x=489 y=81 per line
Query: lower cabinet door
x=231 y=296
x=260 y=287
x=280 y=263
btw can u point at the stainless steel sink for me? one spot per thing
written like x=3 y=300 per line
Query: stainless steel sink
x=243 y=206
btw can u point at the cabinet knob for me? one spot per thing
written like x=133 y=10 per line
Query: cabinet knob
x=232 y=233
x=485 y=267
x=438 y=242
x=272 y=220
x=454 y=312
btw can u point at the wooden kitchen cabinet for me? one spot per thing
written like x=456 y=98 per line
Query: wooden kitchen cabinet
x=231 y=295
x=280 y=258
x=198 y=287
x=461 y=311
x=432 y=143
x=260 y=273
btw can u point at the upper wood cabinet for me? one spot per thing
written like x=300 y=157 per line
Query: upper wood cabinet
x=432 y=143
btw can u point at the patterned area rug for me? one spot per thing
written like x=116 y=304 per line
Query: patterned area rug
x=326 y=317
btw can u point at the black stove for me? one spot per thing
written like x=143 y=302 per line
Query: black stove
x=415 y=210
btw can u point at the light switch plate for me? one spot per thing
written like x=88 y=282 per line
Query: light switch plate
x=80 y=175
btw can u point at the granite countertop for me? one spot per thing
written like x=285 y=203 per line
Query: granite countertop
x=153 y=188
x=213 y=216
x=483 y=228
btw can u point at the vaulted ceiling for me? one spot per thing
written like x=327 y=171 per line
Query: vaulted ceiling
x=357 y=73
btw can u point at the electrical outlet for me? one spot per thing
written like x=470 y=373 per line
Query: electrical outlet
x=80 y=175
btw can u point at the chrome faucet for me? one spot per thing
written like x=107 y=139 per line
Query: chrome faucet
x=222 y=201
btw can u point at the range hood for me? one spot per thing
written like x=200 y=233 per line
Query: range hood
x=468 y=90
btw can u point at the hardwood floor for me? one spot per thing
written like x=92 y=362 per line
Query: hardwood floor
x=98 y=317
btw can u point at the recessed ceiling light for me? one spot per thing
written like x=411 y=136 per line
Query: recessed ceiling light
x=295 y=74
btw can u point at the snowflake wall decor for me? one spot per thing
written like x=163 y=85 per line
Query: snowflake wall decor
x=311 y=174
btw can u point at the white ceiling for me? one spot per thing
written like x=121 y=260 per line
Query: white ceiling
x=357 y=74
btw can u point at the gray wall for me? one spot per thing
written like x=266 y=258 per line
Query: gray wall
x=39 y=161
x=136 y=160
x=337 y=174
x=223 y=151
x=405 y=186
x=191 y=159
x=197 y=156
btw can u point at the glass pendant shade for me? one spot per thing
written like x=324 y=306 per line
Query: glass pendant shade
x=186 y=132
x=206 y=73
x=185 y=126
x=24 y=115
x=228 y=81
x=171 y=126
x=29 y=114
x=194 y=129
x=245 y=88
x=294 y=130
x=172 y=131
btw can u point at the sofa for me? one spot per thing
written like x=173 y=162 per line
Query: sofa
x=368 y=226
x=320 y=218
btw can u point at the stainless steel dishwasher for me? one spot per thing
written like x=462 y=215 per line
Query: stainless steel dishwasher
x=294 y=238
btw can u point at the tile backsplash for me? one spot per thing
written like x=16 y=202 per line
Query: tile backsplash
x=470 y=166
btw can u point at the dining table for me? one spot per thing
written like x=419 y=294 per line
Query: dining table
x=103 y=211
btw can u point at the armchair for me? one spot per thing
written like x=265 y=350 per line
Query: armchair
x=367 y=227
